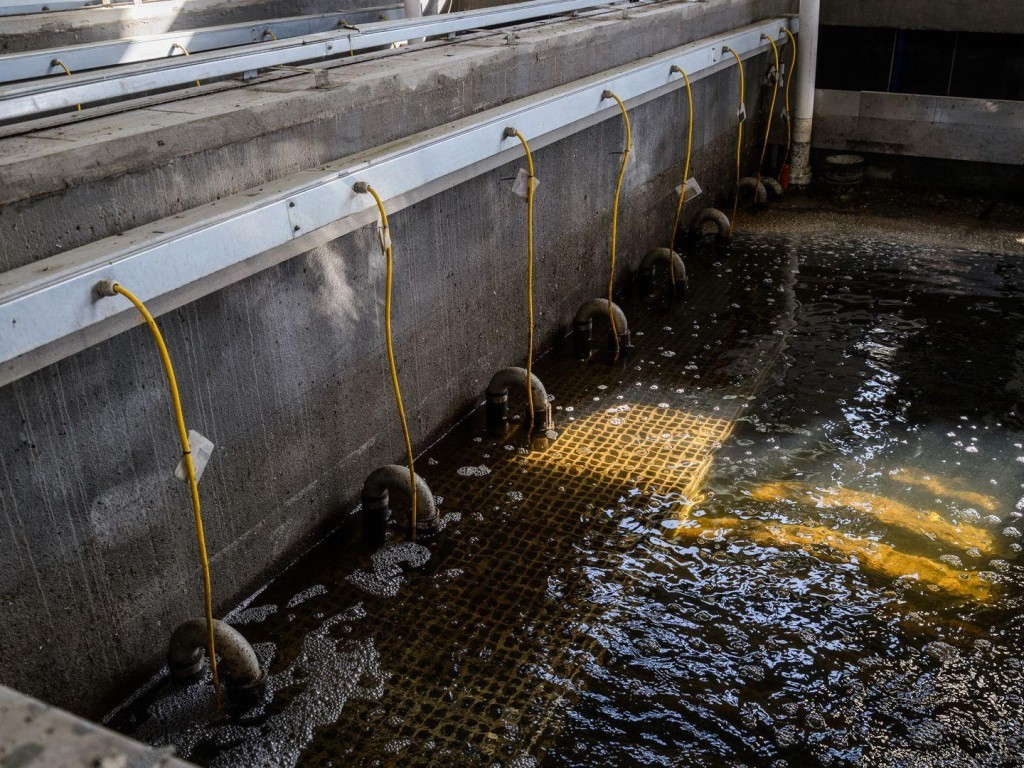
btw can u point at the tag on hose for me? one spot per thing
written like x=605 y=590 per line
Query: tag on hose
x=785 y=115
x=385 y=237
x=692 y=189
x=202 y=450
x=522 y=183
x=741 y=114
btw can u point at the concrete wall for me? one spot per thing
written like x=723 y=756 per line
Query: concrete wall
x=286 y=371
x=952 y=15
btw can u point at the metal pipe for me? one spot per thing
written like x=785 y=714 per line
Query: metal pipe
x=803 y=111
x=179 y=259
x=757 y=190
x=583 y=325
x=377 y=489
x=28 y=65
x=649 y=265
x=29 y=99
x=497 y=401
x=710 y=216
x=238 y=663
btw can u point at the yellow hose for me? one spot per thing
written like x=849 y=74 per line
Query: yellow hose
x=389 y=259
x=771 y=109
x=615 y=213
x=184 y=50
x=739 y=141
x=529 y=269
x=190 y=472
x=686 y=177
x=789 y=79
x=62 y=65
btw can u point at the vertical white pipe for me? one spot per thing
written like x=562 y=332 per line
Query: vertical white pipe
x=803 y=110
x=413 y=10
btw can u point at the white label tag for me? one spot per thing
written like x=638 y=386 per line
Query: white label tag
x=785 y=115
x=384 y=233
x=522 y=183
x=201 y=449
x=692 y=189
x=742 y=113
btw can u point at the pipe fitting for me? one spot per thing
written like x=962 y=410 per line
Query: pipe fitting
x=106 y=287
x=756 y=187
x=710 y=216
x=773 y=188
x=186 y=655
x=497 y=401
x=583 y=326
x=649 y=265
x=377 y=490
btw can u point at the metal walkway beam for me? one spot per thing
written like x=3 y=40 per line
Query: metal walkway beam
x=50 y=309
x=29 y=65
x=31 y=99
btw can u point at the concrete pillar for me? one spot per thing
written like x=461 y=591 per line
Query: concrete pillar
x=803 y=111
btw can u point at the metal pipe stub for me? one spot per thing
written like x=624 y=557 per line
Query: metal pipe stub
x=497 y=408
x=376 y=505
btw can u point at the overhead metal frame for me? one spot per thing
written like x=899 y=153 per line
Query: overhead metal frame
x=21 y=100
x=20 y=7
x=50 y=309
x=28 y=65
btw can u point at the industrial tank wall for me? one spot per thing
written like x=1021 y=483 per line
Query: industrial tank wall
x=285 y=372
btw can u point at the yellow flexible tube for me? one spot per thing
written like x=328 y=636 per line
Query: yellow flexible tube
x=771 y=109
x=529 y=268
x=739 y=141
x=190 y=472
x=686 y=177
x=615 y=212
x=389 y=260
x=62 y=65
x=789 y=79
x=184 y=50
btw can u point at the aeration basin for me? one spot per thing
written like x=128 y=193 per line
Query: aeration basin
x=790 y=522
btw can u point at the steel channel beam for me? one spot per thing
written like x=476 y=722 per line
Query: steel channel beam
x=28 y=99
x=108 y=53
x=50 y=309
x=19 y=7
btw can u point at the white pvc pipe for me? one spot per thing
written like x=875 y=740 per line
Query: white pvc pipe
x=803 y=109
x=413 y=10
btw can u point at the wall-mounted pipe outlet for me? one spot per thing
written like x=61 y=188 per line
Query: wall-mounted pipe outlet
x=755 y=188
x=663 y=258
x=497 y=402
x=583 y=327
x=238 y=663
x=710 y=216
x=376 y=497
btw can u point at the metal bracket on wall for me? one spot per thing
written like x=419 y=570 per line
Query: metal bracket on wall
x=32 y=98
x=50 y=310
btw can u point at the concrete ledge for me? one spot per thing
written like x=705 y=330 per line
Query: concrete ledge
x=34 y=734
x=977 y=130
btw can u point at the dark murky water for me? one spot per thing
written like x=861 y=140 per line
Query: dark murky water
x=840 y=585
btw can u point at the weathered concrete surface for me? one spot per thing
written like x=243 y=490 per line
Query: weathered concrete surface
x=286 y=371
x=51 y=30
x=34 y=734
x=952 y=15
x=975 y=130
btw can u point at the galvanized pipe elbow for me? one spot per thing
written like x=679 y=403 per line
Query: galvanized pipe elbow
x=378 y=487
x=186 y=654
x=773 y=188
x=756 y=188
x=649 y=265
x=710 y=216
x=583 y=325
x=497 y=400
